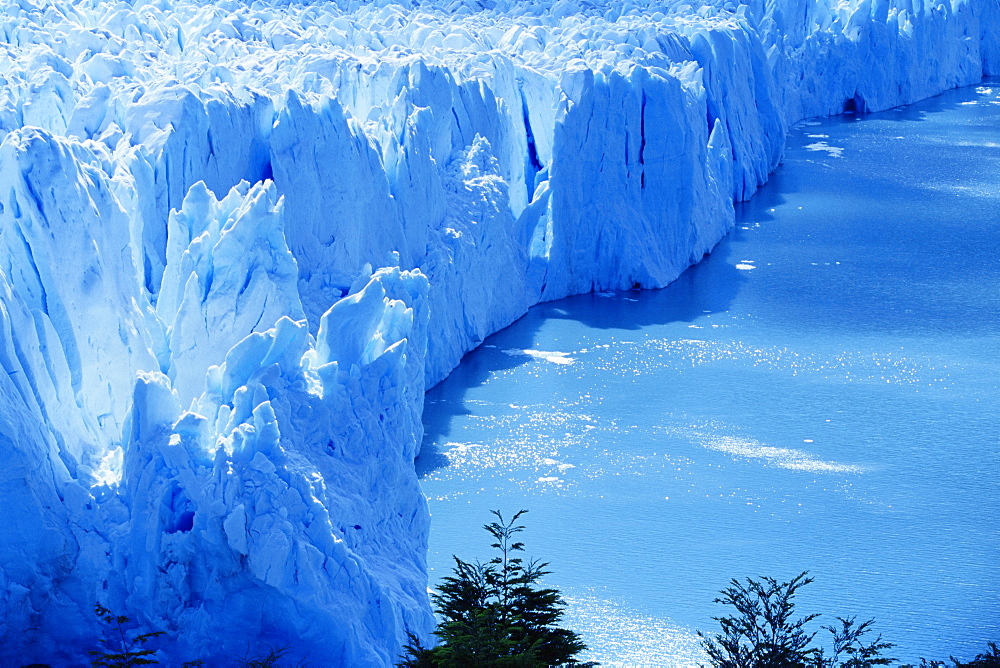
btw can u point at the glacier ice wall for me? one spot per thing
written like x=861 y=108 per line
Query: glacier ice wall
x=237 y=241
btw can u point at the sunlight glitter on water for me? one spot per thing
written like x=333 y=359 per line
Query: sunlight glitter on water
x=633 y=640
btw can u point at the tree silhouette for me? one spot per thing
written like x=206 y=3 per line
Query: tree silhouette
x=495 y=615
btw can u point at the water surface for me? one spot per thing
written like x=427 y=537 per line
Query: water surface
x=820 y=393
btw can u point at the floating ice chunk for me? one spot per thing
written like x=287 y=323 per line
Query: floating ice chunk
x=545 y=355
x=832 y=151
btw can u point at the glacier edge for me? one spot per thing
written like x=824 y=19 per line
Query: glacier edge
x=238 y=241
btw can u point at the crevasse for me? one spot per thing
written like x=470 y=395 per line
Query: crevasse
x=238 y=240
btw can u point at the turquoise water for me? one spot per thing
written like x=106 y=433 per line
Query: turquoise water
x=820 y=393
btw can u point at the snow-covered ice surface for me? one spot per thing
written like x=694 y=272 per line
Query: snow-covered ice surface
x=238 y=240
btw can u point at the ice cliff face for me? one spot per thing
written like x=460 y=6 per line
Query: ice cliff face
x=237 y=241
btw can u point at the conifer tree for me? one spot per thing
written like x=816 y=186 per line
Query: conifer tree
x=123 y=651
x=495 y=615
x=764 y=632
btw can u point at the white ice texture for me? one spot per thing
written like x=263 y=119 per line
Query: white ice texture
x=238 y=240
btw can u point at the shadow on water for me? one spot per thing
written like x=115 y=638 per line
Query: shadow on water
x=758 y=209
x=949 y=100
x=705 y=288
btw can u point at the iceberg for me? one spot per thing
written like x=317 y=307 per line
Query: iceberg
x=238 y=241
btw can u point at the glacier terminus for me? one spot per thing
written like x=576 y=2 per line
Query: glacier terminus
x=238 y=240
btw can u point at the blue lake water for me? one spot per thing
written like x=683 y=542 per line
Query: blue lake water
x=820 y=393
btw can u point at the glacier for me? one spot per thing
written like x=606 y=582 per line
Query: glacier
x=239 y=239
